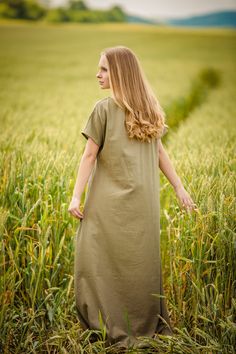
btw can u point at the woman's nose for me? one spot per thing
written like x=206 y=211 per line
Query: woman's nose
x=98 y=75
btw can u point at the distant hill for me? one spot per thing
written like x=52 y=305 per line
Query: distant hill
x=138 y=19
x=214 y=19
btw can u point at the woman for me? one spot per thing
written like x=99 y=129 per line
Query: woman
x=117 y=257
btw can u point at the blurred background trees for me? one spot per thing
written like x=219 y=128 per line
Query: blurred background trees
x=74 y=11
x=21 y=9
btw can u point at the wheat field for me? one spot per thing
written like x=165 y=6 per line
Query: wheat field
x=48 y=88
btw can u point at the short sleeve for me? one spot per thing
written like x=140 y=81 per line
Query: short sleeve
x=95 y=127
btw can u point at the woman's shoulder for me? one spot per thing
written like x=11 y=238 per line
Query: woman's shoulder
x=105 y=101
x=104 y=104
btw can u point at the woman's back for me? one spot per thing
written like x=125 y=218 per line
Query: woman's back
x=117 y=255
x=118 y=266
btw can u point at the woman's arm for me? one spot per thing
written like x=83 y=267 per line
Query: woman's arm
x=85 y=168
x=167 y=168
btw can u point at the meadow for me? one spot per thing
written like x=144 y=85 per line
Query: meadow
x=48 y=88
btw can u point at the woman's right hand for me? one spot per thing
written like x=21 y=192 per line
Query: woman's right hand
x=184 y=198
x=74 y=208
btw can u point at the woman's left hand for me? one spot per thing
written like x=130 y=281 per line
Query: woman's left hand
x=185 y=199
x=74 y=208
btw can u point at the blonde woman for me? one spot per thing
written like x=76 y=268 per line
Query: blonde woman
x=117 y=257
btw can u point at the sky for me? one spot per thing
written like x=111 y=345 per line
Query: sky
x=161 y=8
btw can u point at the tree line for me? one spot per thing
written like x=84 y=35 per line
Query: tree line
x=74 y=11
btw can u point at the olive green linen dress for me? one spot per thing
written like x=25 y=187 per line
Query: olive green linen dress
x=117 y=250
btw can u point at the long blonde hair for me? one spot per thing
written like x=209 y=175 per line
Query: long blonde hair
x=144 y=117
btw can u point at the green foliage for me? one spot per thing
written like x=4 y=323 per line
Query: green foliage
x=77 y=5
x=76 y=11
x=116 y=14
x=87 y=16
x=210 y=77
x=22 y=9
x=58 y=14
x=6 y=11
x=95 y=16
x=180 y=108
x=33 y=11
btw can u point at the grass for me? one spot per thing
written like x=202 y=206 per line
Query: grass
x=180 y=108
x=48 y=88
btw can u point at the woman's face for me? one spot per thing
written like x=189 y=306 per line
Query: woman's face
x=103 y=73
